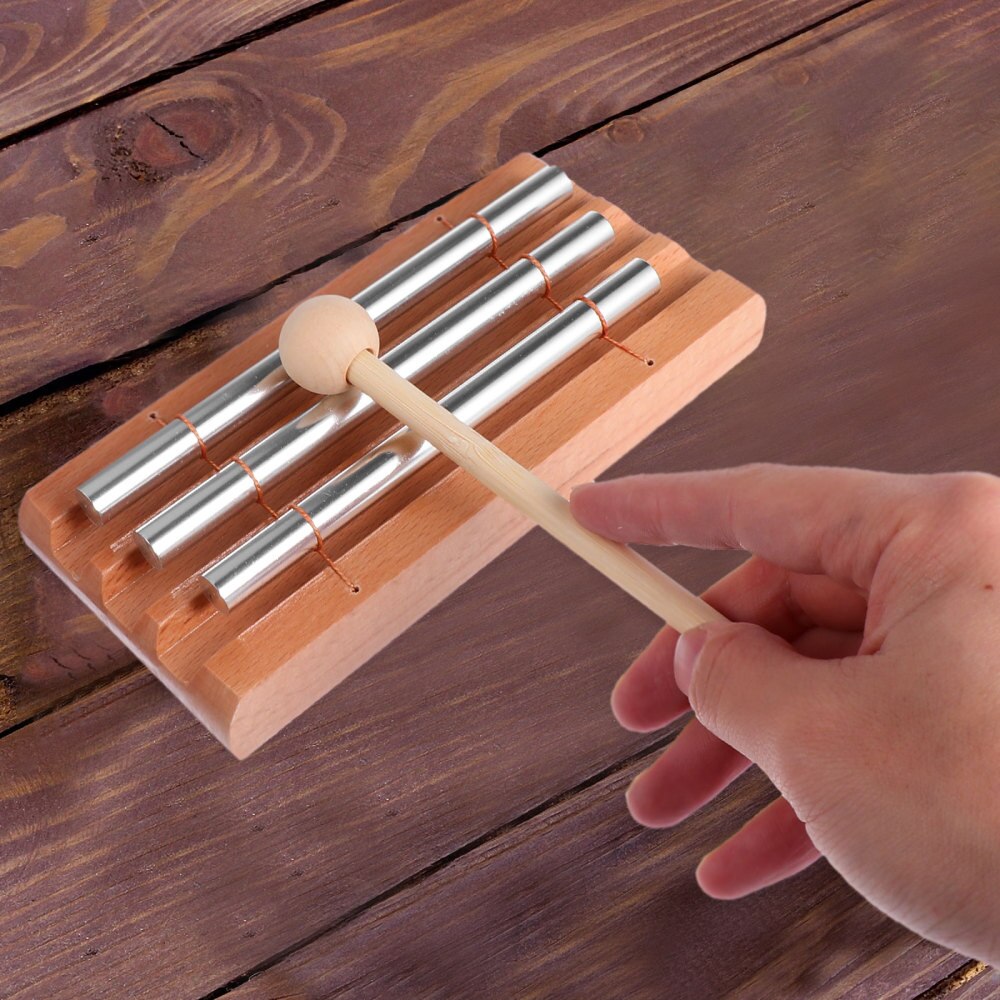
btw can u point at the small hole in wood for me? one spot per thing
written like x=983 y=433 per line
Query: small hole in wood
x=650 y=362
x=355 y=589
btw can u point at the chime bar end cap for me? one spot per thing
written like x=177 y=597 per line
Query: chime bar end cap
x=98 y=517
x=212 y=592
x=145 y=546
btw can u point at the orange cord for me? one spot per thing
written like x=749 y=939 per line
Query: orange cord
x=353 y=587
x=604 y=330
x=256 y=484
x=548 y=296
x=495 y=248
x=201 y=442
x=342 y=576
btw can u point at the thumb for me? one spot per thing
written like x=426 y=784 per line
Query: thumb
x=753 y=690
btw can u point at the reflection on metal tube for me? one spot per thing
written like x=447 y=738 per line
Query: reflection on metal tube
x=270 y=551
x=228 y=407
x=196 y=512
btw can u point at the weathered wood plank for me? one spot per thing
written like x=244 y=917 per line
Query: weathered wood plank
x=132 y=836
x=581 y=902
x=196 y=192
x=60 y=56
x=187 y=867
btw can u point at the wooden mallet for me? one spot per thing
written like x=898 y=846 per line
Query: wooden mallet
x=329 y=343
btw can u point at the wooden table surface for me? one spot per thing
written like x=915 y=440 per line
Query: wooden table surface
x=450 y=822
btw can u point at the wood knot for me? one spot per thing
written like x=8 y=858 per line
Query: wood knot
x=626 y=131
x=175 y=136
x=792 y=74
x=151 y=146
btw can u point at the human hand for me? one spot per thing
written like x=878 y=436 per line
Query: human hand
x=863 y=678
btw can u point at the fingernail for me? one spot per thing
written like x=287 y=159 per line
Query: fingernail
x=630 y=793
x=614 y=700
x=689 y=645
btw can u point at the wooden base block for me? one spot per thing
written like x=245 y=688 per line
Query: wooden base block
x=248 y=673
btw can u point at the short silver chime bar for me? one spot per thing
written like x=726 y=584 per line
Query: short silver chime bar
x=139 y=469
x=274 y=548
x=238 y=482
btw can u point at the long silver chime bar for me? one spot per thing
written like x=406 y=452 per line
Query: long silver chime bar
x=272 y=549
x=139 y=469
x=197 y=511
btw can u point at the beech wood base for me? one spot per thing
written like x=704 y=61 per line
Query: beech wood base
x=247 y=674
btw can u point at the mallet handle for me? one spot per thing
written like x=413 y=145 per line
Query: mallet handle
x=666 y=598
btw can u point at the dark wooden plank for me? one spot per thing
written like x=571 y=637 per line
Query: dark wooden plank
x=133 y=836
x=128 y=221
x=136 y=845
x=60 y=56
x=581 y=902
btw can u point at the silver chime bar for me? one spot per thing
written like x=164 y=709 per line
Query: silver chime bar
x=277 y=546
x=139 y=469
x=194 y=513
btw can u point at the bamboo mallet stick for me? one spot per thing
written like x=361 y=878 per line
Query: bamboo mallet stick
x=329 y=342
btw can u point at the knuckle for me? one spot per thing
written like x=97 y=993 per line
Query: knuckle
x=740 y=480
x=955 y=519
x=973 y=494
x=797 y=744
x=658 y=516
x=815 y=753
x=712 y=678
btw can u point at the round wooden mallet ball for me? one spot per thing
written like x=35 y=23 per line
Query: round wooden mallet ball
x=320 y=339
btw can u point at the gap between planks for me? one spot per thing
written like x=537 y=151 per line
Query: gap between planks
x=428 y=871
x=962 y=976
x=175 y=69
x=292 y=19
x=694 y=82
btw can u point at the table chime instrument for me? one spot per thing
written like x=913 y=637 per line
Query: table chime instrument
x=266 y=527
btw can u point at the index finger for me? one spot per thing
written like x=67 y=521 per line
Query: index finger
x=810 y=520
